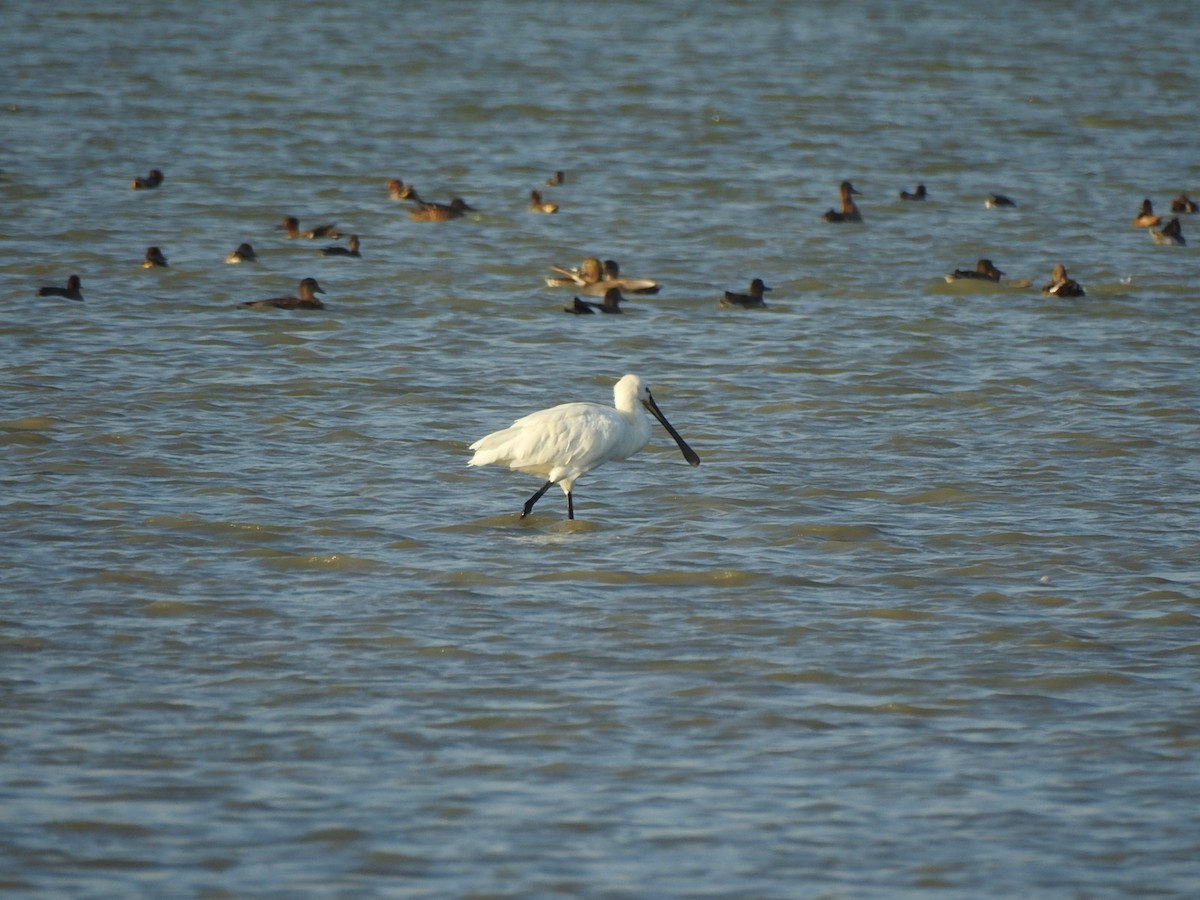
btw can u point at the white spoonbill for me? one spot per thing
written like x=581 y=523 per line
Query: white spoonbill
x=563 y=443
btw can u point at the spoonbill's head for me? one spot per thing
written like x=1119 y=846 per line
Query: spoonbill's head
x=631 y=389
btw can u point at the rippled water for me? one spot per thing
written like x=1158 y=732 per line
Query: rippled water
x=925 y=620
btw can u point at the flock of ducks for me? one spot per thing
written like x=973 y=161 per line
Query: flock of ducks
x=1172 y=232
x=565 y=442
x=598 y=279
x=594 y=278
x=426 y=211
x=1060 y=285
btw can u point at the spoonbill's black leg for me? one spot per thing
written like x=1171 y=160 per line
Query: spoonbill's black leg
x=570 y=506
x=535 y=498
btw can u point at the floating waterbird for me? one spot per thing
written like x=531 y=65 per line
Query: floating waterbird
x=152 y=180
x=751 y=300
x=611 y=304
x=538 y=205
x=610 y=277
x=995 y=200
x=595 y=278
x=291 y=225
x=397 y=190
x=1171 y=233
x=590 y=271
x=983 y=271
x=307 y=289
x=918 y=194
x=556 y=179
x=564 y=443
x=439 y=212
x=849 y=212
x=351 y=250
x=1184 y=204
x=73 y=290
x=1062 y=286
x=1146 y=217
x=243 y=253
x=154 y=259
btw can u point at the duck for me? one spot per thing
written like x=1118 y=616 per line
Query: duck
x=1171 y=233
x=73 y=290
x=610 y=277
x=440 y=212
x=243 y=253
x=1184 y=204
x=753 y=299
x=918 y=194
x=849 y=212
x=154 y=259
x=1146 y=217
x=1062 y=286
x=538 y=205
x=593 y=278
x=151 y=180
x=351 y=250
x=997 y=200
x=291 y=225
x=984 y=271
x=590 y=271
x=403 y=192
x=610 y=304
x=307 y=289
x=556 y=179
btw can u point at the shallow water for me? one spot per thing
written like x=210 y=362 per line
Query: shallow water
x=925 y=620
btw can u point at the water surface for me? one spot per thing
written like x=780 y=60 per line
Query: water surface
x=923 y=622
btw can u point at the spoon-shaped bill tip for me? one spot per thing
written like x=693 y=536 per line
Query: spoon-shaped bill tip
x=688 y=453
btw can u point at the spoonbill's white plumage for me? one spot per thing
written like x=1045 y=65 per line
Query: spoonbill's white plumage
x=563 y=443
